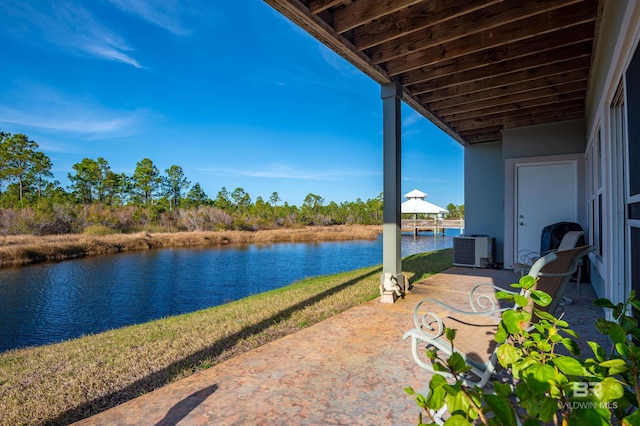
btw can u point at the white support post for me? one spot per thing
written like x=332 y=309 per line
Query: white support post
x=392 y=283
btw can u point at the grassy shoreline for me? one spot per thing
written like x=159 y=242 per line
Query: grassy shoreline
x=72 y=380
x=23 y=250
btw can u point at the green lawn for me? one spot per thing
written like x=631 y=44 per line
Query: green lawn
x=65 y=382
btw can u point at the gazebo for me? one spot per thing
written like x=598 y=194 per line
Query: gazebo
x=416 y=204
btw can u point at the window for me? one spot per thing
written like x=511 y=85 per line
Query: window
x=595 y=191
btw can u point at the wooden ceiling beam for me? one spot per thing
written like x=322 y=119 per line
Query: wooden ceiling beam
x=511 y=93
x=411 y=19
x=496 y=17
x=364 y=11
x=536 y=119
x=484 y=138
x=553 y=75
x=500 y=36
x=512 y=106
x=555 y=45
x=493 y=134
x=554 y=61
x=560 y=109
x=317 y=6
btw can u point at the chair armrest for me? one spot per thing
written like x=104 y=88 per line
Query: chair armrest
x=429 y=323
x=528 y=257
x=477 y=303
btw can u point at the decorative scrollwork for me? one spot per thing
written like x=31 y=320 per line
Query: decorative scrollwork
x=479 y=304
x=486 y=304
x=429 y=323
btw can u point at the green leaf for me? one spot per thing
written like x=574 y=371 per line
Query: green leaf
x=437 y=366
x=432 y=354
x=421 y=401
x=571 y=346
x=623 y=349
x=502 y=389
x=544 y=315
x=568 y=365
x=501 y=409
x=458 y=403
x=507 y=354
x=540 y=297
x=450 y=333
x=521 y=300
x=603 y=325
x=527 y=282
x=540 y=377
x=569 y=332
x=617 y=334
x=597 y=351
x=635 y=304
x=628 y=323
x=615 y=366
x=457 y=420
x=616 y=362
x=609 y=390
x=456 y=362
x=437 y=392
x=598 y=416
x=618 y=310
x=514 y=321
x=501 y=334
x=504 y=295
x=603 y=303
x=617 y=370
x=548 y=409
x=632 y=419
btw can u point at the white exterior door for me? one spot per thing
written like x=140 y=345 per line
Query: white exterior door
x=546 y=193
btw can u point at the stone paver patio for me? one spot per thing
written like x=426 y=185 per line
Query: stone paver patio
x=349 y=369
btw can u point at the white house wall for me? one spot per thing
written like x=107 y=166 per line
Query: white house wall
x=565 y=137
x=556 y=142
x=489 y=202
x=484 y=193
x=616 y=43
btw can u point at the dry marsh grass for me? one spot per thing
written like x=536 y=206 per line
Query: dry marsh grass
x=69 y=381
x=26 y=249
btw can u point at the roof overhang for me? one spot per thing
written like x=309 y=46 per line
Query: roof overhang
x=472 y=67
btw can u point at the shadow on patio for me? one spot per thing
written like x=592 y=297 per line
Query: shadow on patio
x=349 y=369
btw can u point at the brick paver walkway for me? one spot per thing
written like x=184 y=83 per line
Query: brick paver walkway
x=347 y=370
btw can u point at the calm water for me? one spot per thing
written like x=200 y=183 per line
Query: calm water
x=58 y=301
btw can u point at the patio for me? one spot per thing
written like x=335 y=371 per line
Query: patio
x=348 y=369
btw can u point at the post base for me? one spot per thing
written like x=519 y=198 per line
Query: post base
x=392 y=287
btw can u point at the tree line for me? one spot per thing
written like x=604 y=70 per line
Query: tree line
x=100 y=201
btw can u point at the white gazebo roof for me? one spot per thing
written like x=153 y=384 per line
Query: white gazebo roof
x=417 y=204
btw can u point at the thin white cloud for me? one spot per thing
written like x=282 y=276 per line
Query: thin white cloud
x=337 y=63
x=166 y=14
x=411 y=119
x=70 y=26
x=284 y=171
x=45 y=108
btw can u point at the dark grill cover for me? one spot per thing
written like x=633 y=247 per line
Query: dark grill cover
x=552 y=235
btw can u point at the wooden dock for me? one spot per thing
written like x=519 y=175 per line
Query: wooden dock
x=438 y=226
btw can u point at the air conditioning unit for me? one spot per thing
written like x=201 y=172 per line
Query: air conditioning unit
x=473 y=250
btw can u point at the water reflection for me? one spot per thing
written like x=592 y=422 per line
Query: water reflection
x=57 y=301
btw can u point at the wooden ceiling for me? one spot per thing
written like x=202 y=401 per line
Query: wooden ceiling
x=473 y=67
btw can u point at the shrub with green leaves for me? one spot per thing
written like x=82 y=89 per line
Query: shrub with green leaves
x=548 y=381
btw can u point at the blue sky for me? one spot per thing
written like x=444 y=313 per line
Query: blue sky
x=232 y=92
